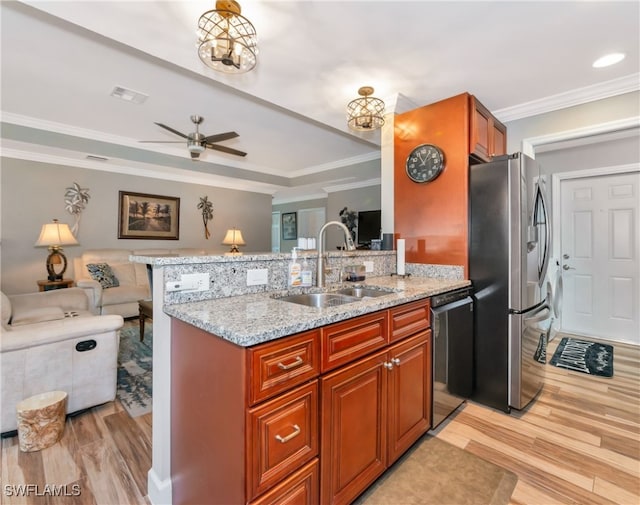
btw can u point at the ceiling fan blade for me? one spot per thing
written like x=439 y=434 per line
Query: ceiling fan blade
x=220 y=137
x=164 y=141
x=172 y=130
x=224 y=149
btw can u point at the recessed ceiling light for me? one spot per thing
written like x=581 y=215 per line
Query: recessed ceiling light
x=608 y=59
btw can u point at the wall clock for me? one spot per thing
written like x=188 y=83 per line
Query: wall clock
x=424 y=163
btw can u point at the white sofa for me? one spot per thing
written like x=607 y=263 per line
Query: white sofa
x=133 y=278
x=47 y=343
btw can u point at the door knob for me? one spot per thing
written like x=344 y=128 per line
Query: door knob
x=565 y=256
x=567 y=267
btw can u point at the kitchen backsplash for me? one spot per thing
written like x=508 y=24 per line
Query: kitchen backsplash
x=228 y=274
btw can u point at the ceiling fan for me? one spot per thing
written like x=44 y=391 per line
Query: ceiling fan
x=197 y=142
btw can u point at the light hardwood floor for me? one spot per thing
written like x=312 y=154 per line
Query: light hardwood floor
x=579 y=443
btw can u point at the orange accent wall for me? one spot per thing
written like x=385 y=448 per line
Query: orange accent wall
x=433 y=217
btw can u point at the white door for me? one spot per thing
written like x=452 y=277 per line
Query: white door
x=600 y=246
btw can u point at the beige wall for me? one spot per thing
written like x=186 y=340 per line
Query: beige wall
x=572 y=118
x=33 y=194
x=357 y=199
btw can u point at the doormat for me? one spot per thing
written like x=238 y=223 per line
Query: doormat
x=434 y=472
x=135 y=361
x=592 y=358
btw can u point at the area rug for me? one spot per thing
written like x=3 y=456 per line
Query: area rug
x=135 y=360
x=435 y=472
x=592 y=358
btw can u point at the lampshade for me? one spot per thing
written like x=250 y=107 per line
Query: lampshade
x=227 y=41
x=366 y=113
x=54 y=236
x=234 y=239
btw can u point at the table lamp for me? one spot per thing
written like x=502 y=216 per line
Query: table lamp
x=234 y=239
x=54 y=236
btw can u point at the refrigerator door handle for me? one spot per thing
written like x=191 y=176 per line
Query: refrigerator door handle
x=528 y=309
x=547 y=237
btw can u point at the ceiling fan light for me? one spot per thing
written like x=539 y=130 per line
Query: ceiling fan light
x=227 y=41
x=195 y=147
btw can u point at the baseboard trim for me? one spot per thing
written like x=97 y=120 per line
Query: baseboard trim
x=158 y=491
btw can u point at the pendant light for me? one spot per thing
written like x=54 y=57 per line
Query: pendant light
x=227 y=41
x=366 y=113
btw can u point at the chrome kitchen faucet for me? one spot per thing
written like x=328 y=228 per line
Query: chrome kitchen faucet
x=320 y=261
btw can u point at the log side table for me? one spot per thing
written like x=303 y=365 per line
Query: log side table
x=41 y=420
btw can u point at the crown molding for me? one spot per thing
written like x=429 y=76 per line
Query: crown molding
x=571 y=98
x=353 y=185
x=299 y=198
x=584 y=134
x=84 y=133
x=345 y=162
x=326 y=190
x=138 y=169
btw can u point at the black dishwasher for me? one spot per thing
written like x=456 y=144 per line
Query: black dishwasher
x=452 y=325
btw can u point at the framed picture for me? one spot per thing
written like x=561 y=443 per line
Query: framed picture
x=145 y=216
x=289 y=226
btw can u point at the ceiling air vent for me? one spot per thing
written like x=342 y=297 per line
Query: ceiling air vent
x=129 y=95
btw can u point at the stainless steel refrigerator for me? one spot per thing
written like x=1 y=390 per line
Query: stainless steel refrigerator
x=508 y=257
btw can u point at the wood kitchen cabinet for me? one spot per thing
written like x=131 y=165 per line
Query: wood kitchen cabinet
x=310 y=418
x=433 y=218
x=487 y=135
x=372 y=411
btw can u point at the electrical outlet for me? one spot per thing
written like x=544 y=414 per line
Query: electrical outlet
x=257 y=276
x=195 y=282
x=368 y=266
x=189 y=282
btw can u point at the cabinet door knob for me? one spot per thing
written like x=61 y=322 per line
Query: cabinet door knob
x=395 y=361
x=295 y=363
x=388 y=366
x=296 y=432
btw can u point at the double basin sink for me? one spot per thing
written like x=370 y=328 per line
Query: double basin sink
x=337 y=297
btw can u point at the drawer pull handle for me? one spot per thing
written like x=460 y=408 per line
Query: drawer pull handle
x=298 y=361
x=284 y=440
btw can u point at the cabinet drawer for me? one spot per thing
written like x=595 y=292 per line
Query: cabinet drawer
x=282 y=435
x=301 y=488
x=346 y=341
x=409 y=319
x=282 y=364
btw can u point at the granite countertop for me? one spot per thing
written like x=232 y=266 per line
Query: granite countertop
x=252 y=319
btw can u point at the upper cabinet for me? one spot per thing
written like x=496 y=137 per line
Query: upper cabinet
x=487 y=135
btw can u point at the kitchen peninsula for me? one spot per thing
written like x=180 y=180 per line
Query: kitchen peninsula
x=271 y=399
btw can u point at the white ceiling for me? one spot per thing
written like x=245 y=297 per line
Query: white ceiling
x=61 y=60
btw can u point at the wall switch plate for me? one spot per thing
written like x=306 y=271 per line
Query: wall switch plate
x=257 y=276
x=368 y=266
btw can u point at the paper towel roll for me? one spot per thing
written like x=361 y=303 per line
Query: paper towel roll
x=400 y=257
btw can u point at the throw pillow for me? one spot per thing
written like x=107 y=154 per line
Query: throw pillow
x=102 y=273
